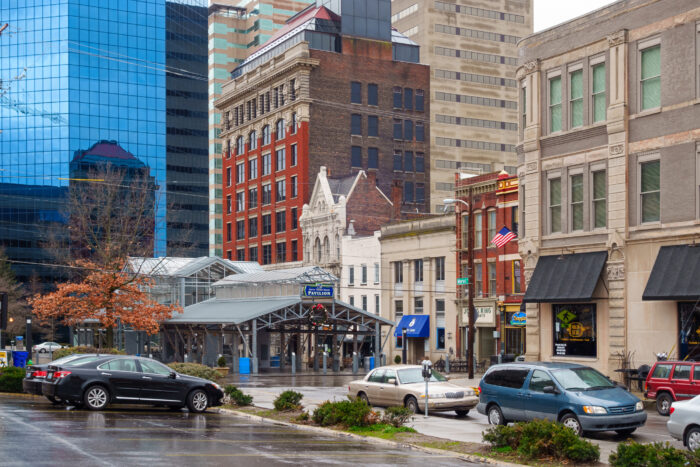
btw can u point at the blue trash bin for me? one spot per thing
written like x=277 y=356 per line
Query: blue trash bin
x=371 y=363
x=244 y=366
x=19 y=358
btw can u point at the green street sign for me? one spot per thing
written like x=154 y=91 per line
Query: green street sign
x=462 y=281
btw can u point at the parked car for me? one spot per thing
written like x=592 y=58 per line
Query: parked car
x=46 y=347
x=122 y=379
x=36 y=374
x=684 y=423
x=404 y=385
x=670 y=381
x=576 y=395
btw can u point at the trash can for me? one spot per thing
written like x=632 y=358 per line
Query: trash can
x=371 y=363
x=244 y=366
x=19 y=358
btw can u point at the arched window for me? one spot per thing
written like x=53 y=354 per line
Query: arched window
x=337 y=247
x=317 y=250
x=280 y=129
x=240 y=145
x=266 y=135
x=252 y=140
x=326 y=249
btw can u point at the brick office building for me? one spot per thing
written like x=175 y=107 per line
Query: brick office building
x=319 y=93
x=498 y=282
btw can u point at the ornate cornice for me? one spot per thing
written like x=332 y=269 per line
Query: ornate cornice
x=528 y=68
x=617 y=38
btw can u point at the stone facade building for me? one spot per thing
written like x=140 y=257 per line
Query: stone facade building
x=471 y=47
x=609 y=169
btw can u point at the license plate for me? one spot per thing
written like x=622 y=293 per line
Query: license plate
x=49 y=375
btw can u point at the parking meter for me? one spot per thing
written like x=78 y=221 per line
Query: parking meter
x=427 y=372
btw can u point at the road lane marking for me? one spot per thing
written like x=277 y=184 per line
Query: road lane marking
x=209 y=440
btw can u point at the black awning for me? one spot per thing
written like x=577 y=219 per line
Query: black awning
x=675 y=275
x=565 y=278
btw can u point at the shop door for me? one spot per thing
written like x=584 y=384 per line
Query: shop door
x=515 y=340
x=689 y=325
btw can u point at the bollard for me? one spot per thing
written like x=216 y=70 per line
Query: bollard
x=294 y=363
x=447 y=364
x=355 y=363
x=325 y=364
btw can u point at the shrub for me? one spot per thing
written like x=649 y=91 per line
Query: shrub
x=221 y=361
x=302 y=417
x=347 y=413
x=11 y=379
x=237 y=396
x=60 y=353
x=542 y=438
x=652 y=455
x=288 y=400
x=397 y=359
x=397 y=416
x=195 y=369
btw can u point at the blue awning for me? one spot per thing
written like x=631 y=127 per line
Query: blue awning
x=416 y=326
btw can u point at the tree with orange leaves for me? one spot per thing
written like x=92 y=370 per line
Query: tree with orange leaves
x=106 y=296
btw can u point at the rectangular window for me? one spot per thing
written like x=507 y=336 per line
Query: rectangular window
x=280 y=221
x=364 y=274
x=252 y=198
x=253 y=227
x=252 y=169
x=576 y=98
x=576 y=202
x=600 y=212
x=295 y=251
x=267 y=254
x=650 y=191
x=240 y=201
x=280 y=190
x=408 y=161
x=281 y=252
x=408 y=192
x=293 y=155
x=228 y=176
x=491 y=225
x=293 y=128
x=398 y=160
x=575 y=332
x=356 y=124
x=408 y=98
x=281 y=159
x=372 y=158
x=555 y=205
x=295 y=219
x=292 y=89
x=266 y=135
x=240 y=172
x=266 y=164
x=240 y=230
x=440 y=268
x=398 y=129
x=420 y=132
x=372 y=94
x=407 y=130
x=398 y=272
x=294 y=187
x=418 y=305
x=266 y=194
x=420 y=193
x=376 y=304
x=229 y=204
x=420 y=162
x=492 y=279
x=514 y=220
x=478 y=280
x=650 y=83
x=240 y=255
x=253 y=253
x=398 y=98
x=440 y=323
x=372 y=125
x=516 y=276
x=266 y=224
x=418 y=270
x=351 y=275
x=523 y=108
x=555 y=104
x=352 y=300
x=356 y=156
x=376 y=273
x=364 y=303
x=398 y=309
x=478 y=230
x=420 y=106
x=356 y=92
x=229 y=233
x=598 y=103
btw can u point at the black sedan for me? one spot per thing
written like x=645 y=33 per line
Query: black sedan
x=36 y=374
x=122 y=379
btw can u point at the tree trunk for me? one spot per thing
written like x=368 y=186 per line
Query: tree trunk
x=110 y=338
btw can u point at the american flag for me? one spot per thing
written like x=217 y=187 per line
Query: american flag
x=502 y=237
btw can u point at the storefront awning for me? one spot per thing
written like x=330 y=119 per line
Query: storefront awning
x=565 y=278
x=675 y=275
x=416 y=326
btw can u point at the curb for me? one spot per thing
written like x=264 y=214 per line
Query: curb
x=369 y=439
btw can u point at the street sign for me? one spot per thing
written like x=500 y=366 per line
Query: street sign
x=318 y=291
x=463 y=281
x=3 y=358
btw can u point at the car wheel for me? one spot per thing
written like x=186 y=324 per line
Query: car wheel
x=496 y=415
x=692 y=438
x=626 y=432
x=571 y=421
x=363 y=397
x=663 y=403
x=197 y=401
x=462 y=413
x=42 y=350
x=96 y=397
x=411 y=404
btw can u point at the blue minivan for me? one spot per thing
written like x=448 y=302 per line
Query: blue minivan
x=576 y=395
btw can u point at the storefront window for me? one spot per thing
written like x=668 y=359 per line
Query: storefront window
x=575 y=330
x=689 y=317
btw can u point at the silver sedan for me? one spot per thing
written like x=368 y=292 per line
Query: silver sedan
x=684 y=423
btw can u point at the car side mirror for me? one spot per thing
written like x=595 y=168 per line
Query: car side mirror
x=391 y=381
x=173 y=375
x=550 y=390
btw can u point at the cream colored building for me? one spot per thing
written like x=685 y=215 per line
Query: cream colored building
x=418 y=279
x=471 y=48
x=609 y=169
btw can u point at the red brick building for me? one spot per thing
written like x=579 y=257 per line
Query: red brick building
x=312 y=97
x=498 y=280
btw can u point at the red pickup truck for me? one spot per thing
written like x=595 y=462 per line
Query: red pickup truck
x=672 y=381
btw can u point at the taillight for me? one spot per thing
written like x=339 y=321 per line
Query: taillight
x=670 y=411
x=61 y=374
x=39 y=374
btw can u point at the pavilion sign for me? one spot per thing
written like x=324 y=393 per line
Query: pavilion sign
x=318 y=291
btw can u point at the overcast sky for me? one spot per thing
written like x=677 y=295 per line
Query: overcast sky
x=552 y=12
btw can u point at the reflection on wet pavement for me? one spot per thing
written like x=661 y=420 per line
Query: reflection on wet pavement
x=33 y=432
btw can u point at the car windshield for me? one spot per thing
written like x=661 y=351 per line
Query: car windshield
x=581 y=379
x=415 y=375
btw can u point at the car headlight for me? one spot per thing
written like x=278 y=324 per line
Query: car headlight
x=216 y=386
x=639 y=406
x=469 y=392
x=594 y=409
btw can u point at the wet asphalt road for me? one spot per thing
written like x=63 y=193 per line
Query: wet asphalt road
x=33 y=432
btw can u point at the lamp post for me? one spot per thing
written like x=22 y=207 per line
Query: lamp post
x=29 y=338
x=470 y=286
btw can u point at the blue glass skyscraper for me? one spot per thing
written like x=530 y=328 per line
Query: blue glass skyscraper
x=90 y=70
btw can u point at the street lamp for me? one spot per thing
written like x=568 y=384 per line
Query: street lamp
x=471 y=329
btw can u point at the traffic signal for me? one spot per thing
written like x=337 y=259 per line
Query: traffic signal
x=3 y=310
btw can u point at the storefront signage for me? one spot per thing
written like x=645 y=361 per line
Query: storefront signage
x=575 y=330
x=518 y=319
x=485 y=316
x=318 y=291
x=3 y=358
